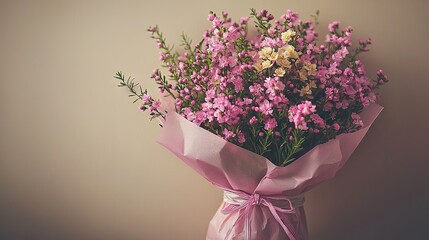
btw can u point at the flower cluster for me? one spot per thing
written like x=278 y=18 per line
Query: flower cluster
x=277 y=93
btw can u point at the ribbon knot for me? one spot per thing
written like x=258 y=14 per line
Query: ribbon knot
x=242 y=202
x=256 y=199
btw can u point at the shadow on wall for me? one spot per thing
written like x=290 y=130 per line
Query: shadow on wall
x=377 y=195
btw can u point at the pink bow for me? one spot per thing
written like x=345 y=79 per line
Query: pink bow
x=244 y=201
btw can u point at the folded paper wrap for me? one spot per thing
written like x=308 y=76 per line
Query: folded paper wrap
x=262 y=200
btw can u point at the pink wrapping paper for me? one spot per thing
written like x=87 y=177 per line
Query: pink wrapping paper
x=233 y=168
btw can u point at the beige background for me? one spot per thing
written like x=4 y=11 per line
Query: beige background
x=78 y=161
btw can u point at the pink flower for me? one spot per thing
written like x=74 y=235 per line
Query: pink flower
x=271 y=31
x=240 y=137
x=189 y=114
x=210 y=94
x=253 y=120
x=232 y=34
x=232 y=61
x=318 y=120
x=247 y=101
x=339 y=55
x=336 y=126
x=255 y=89
x=156 y=104
x=265 y=107
x=220 y=102
x=244 y=20
x=333 y=70
x=238 y=83
x=332 y=93
x=344 y=104
x=307 y=108
x=356 y=120
x=211 y=17
x=273 y=85
x=146 y=98
x=220 y=117
x=271 y=123
x=349 y=90
x=297 y=114
x=291 y=16
x=227 y=134
x=333 y=26
x=269 y=42
x=200 y=117
x=223 y=62
x=310 y=35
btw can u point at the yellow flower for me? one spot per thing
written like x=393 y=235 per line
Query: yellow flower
x=287 y=36
x=283 y=62
x=305 y=91
x=312 y=84
x=266 y=64
x=265 y=52
x=289 y=52
x=273 y=56
x=279 y=72
x=282 y=51
x=303 y=75
x=258 y=66
x=311 y=68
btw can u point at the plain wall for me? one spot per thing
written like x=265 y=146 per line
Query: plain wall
x=79 y=161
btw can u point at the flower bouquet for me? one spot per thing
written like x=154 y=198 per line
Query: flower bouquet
x=265 y=114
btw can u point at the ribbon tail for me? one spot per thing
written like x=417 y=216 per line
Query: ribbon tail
x=288 y=228
x=237 y=220
x=246 y=227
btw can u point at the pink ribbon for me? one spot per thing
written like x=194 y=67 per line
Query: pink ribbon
x=243 y=201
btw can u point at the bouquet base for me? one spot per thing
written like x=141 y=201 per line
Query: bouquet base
x=254 y=217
